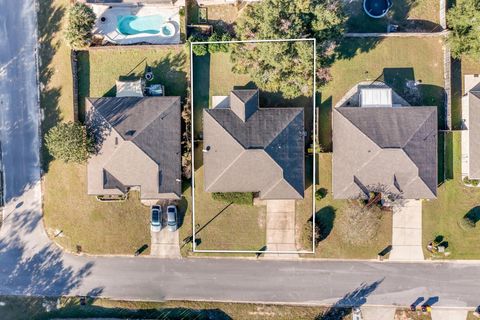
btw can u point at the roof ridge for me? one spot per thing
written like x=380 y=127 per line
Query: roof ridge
x=226 y=168
x=286 y=125
x=418 y=128
x=155 y=118
x=356 y=127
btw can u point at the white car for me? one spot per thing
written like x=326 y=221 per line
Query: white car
x=156 y=219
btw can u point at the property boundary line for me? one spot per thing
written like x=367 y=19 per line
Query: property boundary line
x=194 y=249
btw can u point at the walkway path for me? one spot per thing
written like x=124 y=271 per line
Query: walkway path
x=407 y=232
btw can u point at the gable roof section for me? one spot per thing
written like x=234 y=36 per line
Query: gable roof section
x=263 y=154
x=244 y=103
x=474 y=132
x=391 y=148
x=143 y=147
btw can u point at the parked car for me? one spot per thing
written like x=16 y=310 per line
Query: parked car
x=172 y=220
x=156 y=219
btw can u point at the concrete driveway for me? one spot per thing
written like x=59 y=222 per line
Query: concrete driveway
x=281 y=228
x=407 y=231
x=165 y=244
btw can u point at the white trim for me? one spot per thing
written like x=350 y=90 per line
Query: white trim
x=193 y=147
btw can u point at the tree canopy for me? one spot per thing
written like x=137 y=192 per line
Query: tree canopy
x=69 y=142
x=287 y=67
x=81 y=19
x=464 y=21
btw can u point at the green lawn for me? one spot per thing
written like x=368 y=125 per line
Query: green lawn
x=99 y=69
x=33 y=308
x=328 y=210
x=393 y=61
x=409 y=15
x=103 y=228
x=221 y=226
x=441 y=216
x=460 y=68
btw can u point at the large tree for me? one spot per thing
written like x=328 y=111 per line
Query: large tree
x=287 y=67
x=69 y=142
x=464 y=22
x=81 y=19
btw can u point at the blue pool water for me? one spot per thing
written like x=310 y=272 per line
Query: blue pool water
x=130 y=25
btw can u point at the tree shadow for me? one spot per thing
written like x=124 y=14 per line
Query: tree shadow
x=40 y=273
x=473 y=215
x=49 y=24
x=399 y=14
x=356 y=298
x=74 y=307
x=457 y=93
x=325 y=219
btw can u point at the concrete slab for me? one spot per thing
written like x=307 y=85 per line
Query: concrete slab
x=165 y=244
x=449 y=314
x=378 y=313
x=281 y=228
x=407 y=231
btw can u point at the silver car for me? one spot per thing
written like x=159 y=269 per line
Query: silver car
x=172 y=220
x=156 y=219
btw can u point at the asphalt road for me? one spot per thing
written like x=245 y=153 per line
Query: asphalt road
x=31 y=264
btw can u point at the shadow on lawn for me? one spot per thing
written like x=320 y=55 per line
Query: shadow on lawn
x=73 y=308
x=474 y=214
x=399 y=14
x=167 y=71
x=49 y=24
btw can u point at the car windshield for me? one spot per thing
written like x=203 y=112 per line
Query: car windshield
x=155 y=216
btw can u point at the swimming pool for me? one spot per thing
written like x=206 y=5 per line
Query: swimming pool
x=154 y=24
x=376 y=8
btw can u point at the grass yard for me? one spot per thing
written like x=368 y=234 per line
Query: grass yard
x=441 y=216
x=99 y=228
x=328 y=210
x=102 y=228
x=460 y=68
x=221 y=226
x=33 y=308
x=393 y=61
x=409 y=15
x=99 y=69
x=212 y=76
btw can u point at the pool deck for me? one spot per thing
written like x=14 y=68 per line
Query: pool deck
x=111 y=12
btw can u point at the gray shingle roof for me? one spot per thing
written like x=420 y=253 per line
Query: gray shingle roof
x=263 y=154
x=474 y=132
x=152 y=125
x=391 y=147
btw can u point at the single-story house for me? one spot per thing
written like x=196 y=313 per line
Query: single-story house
x=251 y=149
x=138 y=145
x=380 y=145
x=470 y=136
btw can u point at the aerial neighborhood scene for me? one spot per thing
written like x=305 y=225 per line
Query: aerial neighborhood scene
x=240 y=159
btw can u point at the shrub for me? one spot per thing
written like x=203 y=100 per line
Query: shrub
x=474 y=183
x=69 y=142
x=234 y=197
x=198 y=49
x=81 y=19
x=219 y=47
x=359 y=225
x=186 y=139
x=307 y=234
x=467 y=223
x=321 y=193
